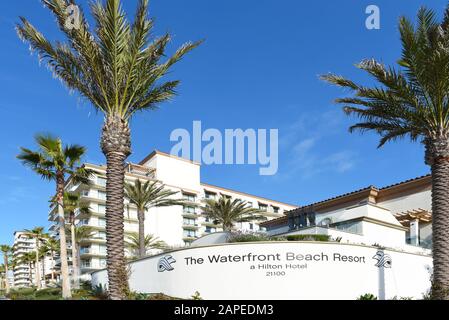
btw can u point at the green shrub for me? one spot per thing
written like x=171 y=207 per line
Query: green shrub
x=367 y=296
x=248 y=237
x=99 y=292
x=132 y=295
x=308 y=237
x=48 y=292
x=161 y=296
x=197 y=296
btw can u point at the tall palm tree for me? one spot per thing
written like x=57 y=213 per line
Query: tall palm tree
x=150 y=242
x=412 y=100
x=119 y=69
x=73 y=203
x=145 y=196
x=6 y=250
x=54 y=248
x=226 y=212
x=38 y=234
x=78 y=234
x=55 y=162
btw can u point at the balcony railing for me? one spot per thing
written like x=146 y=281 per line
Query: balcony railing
x=139 y=170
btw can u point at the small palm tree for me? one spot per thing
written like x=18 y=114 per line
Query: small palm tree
x=3 y=278
x=43 y=253
x=150 y=242
x=29 y=259
x=227 y=212
x=119 y=69
x=6 y=250
x=73 y=203
x=54 y=249
x=55 y=162
x=145 y=196
x=413 y=101
x=78 y=234
x=38 y=234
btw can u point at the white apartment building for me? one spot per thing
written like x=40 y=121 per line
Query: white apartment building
x=24 y=274
x=397 y=216
x=177 y=226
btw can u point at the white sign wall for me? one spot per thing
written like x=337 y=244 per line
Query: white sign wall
x=281 y=270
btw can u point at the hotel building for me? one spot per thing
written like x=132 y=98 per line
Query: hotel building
x=177 y=226
x=397 y=216
x=23 y=275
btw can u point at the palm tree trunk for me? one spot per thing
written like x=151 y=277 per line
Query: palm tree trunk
x=52 y=266
x=142 y=249
x=116 y=146
x=37 y=272
x=66 y=291
x=44 y=284
x=440 y=229
x=5 y=262
x=76 y=279
x=30 y=273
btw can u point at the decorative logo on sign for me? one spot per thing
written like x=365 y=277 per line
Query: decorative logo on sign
x=165 y=264
x=383 y=260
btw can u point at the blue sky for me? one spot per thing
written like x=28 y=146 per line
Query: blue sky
x=258 y=68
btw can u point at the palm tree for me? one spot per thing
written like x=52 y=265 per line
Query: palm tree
x=6 y=250
x=412 y=101
x=227 y=212
x=73 y=203
x=39 y=235
x=43 y=253
x=3 y=277
x=145 y=196
x=54 y=162
x=54 y=248
x=78 y=234
x=29 y=259
x=119 y=70
x=150 y=242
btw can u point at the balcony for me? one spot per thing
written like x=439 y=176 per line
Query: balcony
x=191 y=226
x=139 y=170
x=190 y=212
x=190 y=236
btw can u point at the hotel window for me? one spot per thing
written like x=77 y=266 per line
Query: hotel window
x=101 y=181
x=275 y=209
x=101 y=222
x=102 y=263
x=210 y=195
x=102 y=249
x=83 y=222
x=189 y=222
x=189 y=209
x=189 y=233
x=211 y=230
x=189 y=197
x=353 y=227
x=101 y=195
x=85 y=193
x=263 y=207
x=187 y=243
x=101 y=208
x=101 y=235
x=85 y=249
x=86 y=263
x=251 y=226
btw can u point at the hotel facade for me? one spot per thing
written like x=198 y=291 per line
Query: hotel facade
x=177 y=226
x=398 y=216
